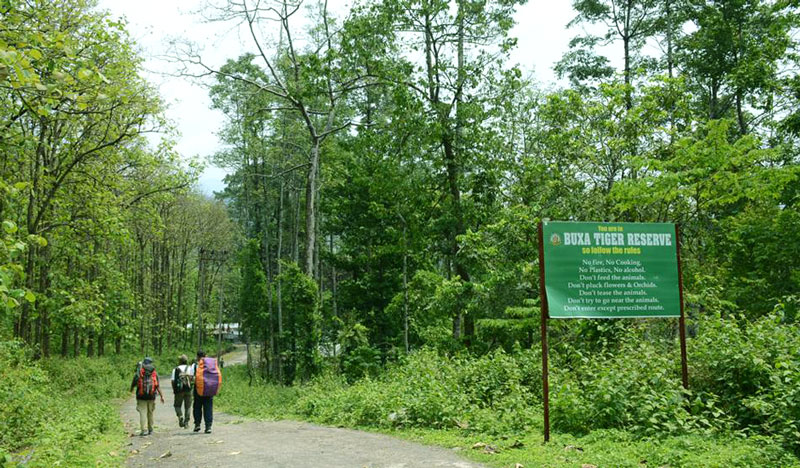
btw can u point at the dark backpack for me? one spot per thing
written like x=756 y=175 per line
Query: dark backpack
x=183 y=381
x=148 y=381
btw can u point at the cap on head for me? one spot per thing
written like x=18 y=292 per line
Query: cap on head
x=201 y=353
x=147 y=360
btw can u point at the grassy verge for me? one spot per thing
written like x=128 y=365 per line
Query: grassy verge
x=605 y=448
x=60 y=412
x=65 y=412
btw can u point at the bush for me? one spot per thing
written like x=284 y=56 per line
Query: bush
x=55 y=410
x=754 y=371
x=25 y=397
x=636 y=388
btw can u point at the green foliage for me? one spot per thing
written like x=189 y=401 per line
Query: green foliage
x=634 y=388
x=253 y=295
x=361 y=362
x=12 y=247
x=496 y=399
x=239 y=397
x=24 y=400
x=753 y=370
x=490 y=394
x=301 y=308
x=56 y=411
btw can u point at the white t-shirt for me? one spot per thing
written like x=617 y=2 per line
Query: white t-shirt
x=185 y=369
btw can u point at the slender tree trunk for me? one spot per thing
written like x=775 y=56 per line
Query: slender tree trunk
x=311 y=209
x=200 y=298
x=101 y=344
x=90 y=346
x=628 y=96
x=75 y=342
x=333 y=280
x=405 y=290
x=64 y=341
x=296 y=231
x=670 y=58
x=269 y=326
x=278 y=344
x=740 y=113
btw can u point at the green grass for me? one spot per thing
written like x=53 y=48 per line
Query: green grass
x=65 y=412
x=605 y=448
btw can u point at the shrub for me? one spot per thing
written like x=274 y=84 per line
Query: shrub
x=754 y=370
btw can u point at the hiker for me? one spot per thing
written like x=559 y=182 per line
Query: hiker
x=208 y=380
x=182 y=379
x=146 y=384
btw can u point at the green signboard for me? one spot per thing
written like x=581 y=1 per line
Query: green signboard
x=610 y=270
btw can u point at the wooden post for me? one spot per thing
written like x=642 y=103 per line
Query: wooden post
x=545 y=313
x=682 y=319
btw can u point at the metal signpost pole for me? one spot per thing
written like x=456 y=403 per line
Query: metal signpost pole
x=543 y=307
x=682 y=319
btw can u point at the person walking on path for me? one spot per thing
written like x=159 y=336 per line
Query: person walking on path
x=146 y=384
x=208 y=380
x=182 y=379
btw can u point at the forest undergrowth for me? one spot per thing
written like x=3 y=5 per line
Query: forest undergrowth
x=619 y=404
x=65 y=412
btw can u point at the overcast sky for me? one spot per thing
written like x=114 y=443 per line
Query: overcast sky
x=541 y=30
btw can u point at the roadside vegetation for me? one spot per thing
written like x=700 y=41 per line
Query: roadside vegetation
x=616 y=404
x=61 y=412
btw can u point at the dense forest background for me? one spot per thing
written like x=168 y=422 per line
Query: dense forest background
x=387 y=171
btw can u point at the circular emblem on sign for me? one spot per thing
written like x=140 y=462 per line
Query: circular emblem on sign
x=555 y=239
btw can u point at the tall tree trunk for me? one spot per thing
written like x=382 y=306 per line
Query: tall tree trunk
x=200 y=298
x=311 y=208
x=740 y=114
x=64 y=341
x=90 y=346
x=278 y=344
x=75 y=342
x=296 y=230
x=101 y=344
x=405 y=290
x=626 y=41
x=670 y=32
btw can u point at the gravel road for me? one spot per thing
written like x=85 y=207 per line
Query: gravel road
x=239 y=442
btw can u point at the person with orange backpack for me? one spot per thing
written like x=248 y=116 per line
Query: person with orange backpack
x=145 y=382
x=207 y=382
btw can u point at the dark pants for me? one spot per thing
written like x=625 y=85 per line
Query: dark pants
x=183 y=399
x=203 y=408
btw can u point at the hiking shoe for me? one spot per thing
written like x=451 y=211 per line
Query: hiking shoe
x=208 y=430
x=196 y=428
x=149 y=432
x=143 y=433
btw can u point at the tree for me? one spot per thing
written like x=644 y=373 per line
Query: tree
x=458 y=48
x=630 y=21
x=313 y=83
x=735 y=56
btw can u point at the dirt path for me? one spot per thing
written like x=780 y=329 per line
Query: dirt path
x=238 y=442
x=238 y=355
